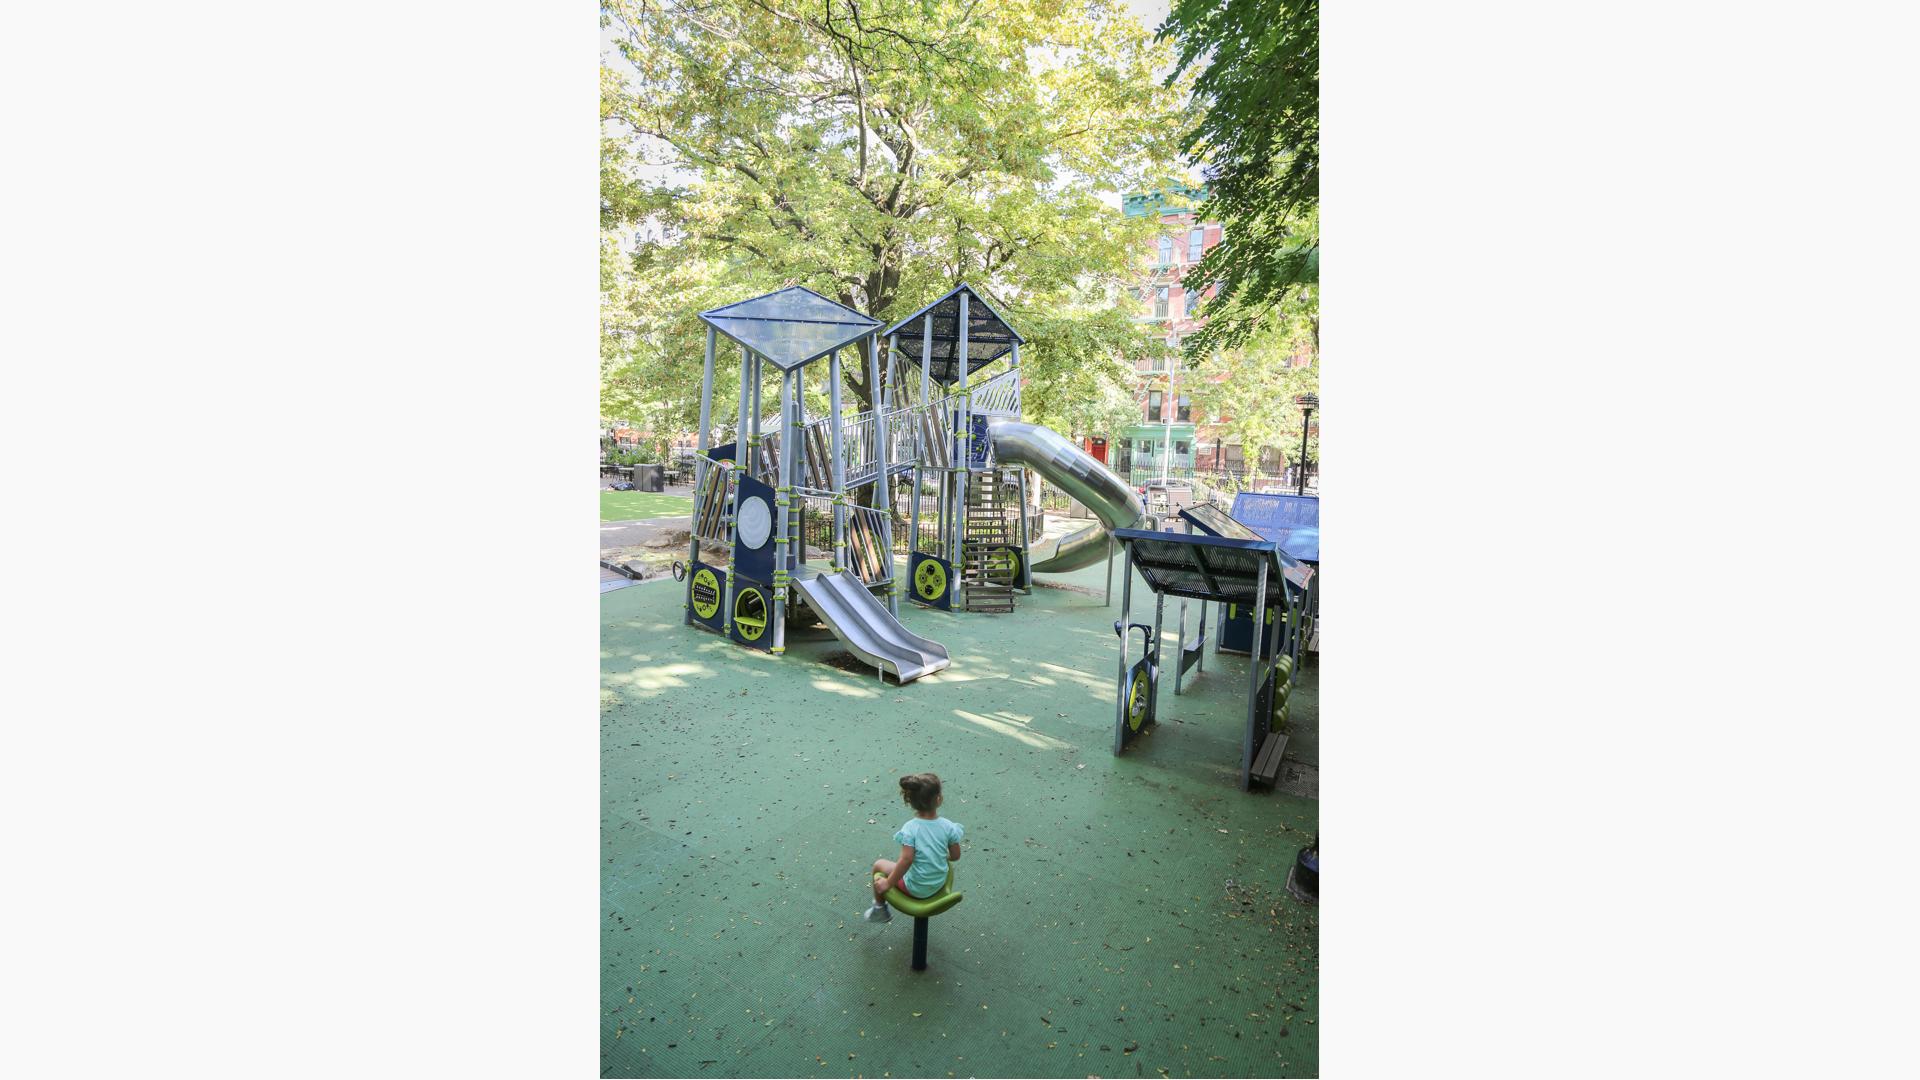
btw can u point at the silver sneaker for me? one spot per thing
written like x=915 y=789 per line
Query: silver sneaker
x=879 y=913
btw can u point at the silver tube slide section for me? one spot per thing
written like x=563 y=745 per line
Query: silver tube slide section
x=1075 y=472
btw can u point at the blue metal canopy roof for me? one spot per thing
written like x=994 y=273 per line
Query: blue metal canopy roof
x=791 y=327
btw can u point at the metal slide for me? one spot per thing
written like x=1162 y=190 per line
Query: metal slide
x=1077 y=473
x=864 y=625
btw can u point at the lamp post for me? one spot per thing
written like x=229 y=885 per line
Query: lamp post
x=1167 y=411
x=1307 y=403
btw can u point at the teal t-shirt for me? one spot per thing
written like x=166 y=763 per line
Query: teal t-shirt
x=929 y=840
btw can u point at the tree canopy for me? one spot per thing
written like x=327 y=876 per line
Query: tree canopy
x=1254 y=390
x=879 y=152
x=1258 y=136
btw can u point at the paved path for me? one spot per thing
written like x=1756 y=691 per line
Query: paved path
x=624 y=534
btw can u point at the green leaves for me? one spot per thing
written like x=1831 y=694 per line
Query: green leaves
x=1278 y=362
x=879 y=152
x=1259 y=136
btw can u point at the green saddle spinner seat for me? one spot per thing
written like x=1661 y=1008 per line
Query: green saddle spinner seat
x=933 y=905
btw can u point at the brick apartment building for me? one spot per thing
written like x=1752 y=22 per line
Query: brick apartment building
x=1171 y=434
x=1168 y=432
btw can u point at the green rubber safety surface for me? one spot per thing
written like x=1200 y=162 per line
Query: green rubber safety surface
x=1125 y=916
x=640 y=505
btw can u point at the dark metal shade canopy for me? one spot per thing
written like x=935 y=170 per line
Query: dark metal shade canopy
x=1216 y=568
x=1214 y=521
x=989 y=336
x=791 y=327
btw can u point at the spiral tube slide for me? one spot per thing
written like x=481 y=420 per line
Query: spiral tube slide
x=1077 y=473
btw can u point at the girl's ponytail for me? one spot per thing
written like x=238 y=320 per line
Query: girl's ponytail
x=921 y=791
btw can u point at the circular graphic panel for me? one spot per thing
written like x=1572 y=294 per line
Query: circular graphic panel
x=755 y=522
x=706 y=593
x=1139 y=696
x=930 y=580
x=750 y=613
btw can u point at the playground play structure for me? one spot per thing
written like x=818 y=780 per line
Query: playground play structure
x=1257 y=582
x=954 y=441
x=952 y=445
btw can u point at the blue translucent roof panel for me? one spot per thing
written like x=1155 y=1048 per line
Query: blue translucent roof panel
x=791 y=327
x=1293 y=520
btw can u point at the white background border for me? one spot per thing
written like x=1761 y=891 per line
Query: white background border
x=302 y=767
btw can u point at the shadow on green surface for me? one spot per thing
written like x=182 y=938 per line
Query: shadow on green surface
x=1124 y=915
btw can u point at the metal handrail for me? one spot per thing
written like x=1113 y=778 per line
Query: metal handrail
x=998 y=396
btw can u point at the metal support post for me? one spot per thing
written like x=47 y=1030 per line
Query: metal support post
x=783 y=564
x=700 y=467
x=1153 y=688
x=751 y=436
x=836 y=472
x=1026 y=564
x=1106 y=595
x=926 y=365
x=733 y=511
x=938 y=491
x=1200 y=662
x=1250 y=746
x=1305 y=423
x=1180 y=658
x=798 y=548
x=882 y=438
x=1120 y=693
x=913 y=508
x=928 y=418
x=964 y=436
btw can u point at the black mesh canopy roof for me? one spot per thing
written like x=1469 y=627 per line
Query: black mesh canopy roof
x=791 y=327
x=989 y=337
x=1201 y=567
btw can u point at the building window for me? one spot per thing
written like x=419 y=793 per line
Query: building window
x=1166 y=251
x=1184 y=410
x=1160 y=302
x=1153 y=406
x=1180 y=448
x=1146 y=447
x=1196 y=244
